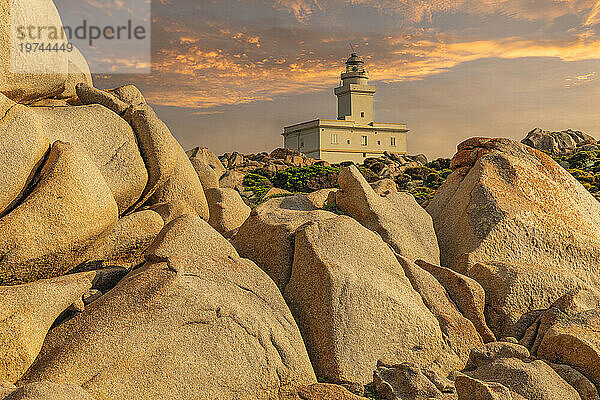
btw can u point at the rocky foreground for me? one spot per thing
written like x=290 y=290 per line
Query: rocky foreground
x=130 y=269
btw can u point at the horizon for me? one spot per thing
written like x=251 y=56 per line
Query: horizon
x=229 y=76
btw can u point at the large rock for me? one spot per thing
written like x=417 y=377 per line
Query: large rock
x=396 y=217
x=585 y=388
x=124 y=244
x=467 y=294
x=267 y=236
x=69 y=208
x=469 y=388
x=575 y=341
x=49 y=391
x=109 y=141
x=508 y=365
x=320 y=391
x=25 y=77
x=227 y=210
x=459 y=333
x=22 y=149
x=27 y=312
x=513 y=291
x=403 y=381
x=555 y=142
x=508 y=204
x=354 y=305
x=173 y=187
x=189 y=236
x=208 y=157
x=191 y=327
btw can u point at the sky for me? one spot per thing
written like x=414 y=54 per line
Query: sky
x=230 y=74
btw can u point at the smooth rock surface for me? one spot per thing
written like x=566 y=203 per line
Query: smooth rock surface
x=508 y=203
x=397 y=217
x=108 y=140
x=467 y=294
x=25 y=77
x=208 y=157
x=124 y=244
x=354 y=305
x=26 y=314
x=69 y=208
x=218 y=329
x=267 y=236
x=23 y=147
x=227 y=210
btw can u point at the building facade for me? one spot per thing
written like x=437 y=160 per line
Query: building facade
x=354 y=136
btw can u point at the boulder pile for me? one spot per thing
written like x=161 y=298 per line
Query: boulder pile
x=132 y=269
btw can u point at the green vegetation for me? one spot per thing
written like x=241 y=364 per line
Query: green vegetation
x=585 y=167
x=305 y=179
x=257 y=184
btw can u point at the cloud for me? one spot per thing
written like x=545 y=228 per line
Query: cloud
x=210 y=60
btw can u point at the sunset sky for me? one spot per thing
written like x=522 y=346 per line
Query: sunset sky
x=229 y=74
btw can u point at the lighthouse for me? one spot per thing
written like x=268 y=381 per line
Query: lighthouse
x=354 y=135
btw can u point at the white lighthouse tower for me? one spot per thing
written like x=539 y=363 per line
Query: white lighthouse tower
x=355 y=96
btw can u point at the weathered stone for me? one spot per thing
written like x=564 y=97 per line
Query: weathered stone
x=78 y=72
x=68 y=209
x=182 y=190
x=158 y=148
x=232 y=179
x=25 y=77
x=575 y=341
x=267 y=236
x=555 y=142
x=513 y=290
x=467 y=294
x=320 y=391
x=204 y=154
x=496 y=351
x=189 y=236
x=129 y=94
x=90 y=95
x=227 y=210
x=383 y=186
x=49 y=391
x=531 y=380
x=216 y=329
x=125 y=243
x=403 y=381
x=459 y=333
x=585 y=388
x=322 y=197
x=469 y=388
x=207 y=175
x=27 y=312
x=108 y=140
x=276 y=192
x=22 y=149
x=397 y=217
x=508 y=204
x=354 y=305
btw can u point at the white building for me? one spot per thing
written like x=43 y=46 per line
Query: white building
x=354 y=136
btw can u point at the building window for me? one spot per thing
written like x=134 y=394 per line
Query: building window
x=364 y=140
x=334 y=138
x=393 y=141
x=364 y=154
x=379 y=143
x=362 y=114
x=348 y=141
x=302 y=143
